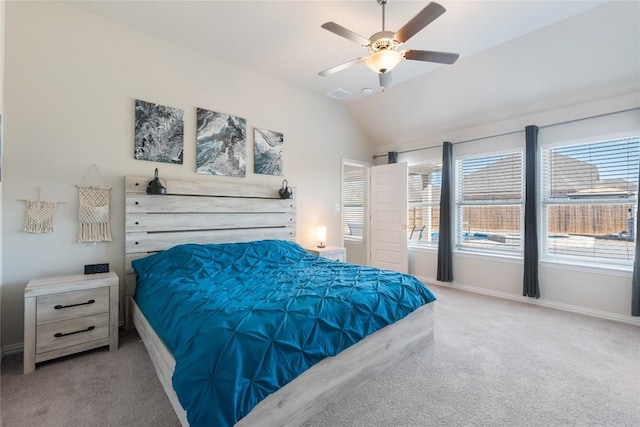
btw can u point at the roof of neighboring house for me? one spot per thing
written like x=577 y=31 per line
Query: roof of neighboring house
x=569 y=177
x=495 y=178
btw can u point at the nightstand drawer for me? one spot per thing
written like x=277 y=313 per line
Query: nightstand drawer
x=334 y=256
x=66 y=333
x=69 y=305
x=333 y=253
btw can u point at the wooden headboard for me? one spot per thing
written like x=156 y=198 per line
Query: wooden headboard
x=199 y=211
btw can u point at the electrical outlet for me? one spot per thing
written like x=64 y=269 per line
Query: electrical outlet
x=337 y=207
x=96 y=268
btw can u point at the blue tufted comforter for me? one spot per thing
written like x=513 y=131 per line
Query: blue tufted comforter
x=244 y=319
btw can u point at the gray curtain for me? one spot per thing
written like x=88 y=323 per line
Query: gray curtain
x=531 y=287
x=445 y=262
x=635 y=291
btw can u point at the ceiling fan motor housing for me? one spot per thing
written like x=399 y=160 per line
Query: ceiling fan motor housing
x=383 y=40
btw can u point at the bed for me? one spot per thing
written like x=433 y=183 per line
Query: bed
x=247 y=219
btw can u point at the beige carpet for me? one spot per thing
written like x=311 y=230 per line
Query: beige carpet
x=94 y=388
x=493 y=363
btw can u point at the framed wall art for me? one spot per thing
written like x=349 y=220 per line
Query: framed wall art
x=267 y=152
x=159 y=133
x=221 y=141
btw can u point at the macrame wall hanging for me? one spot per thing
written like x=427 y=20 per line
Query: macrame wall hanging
x=40 y=215
x=93 y=210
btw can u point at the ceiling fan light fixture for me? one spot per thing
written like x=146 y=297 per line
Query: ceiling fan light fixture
x=383 y=60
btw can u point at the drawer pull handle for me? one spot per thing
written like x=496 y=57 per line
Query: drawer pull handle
x=58 y=307
x=60 y=334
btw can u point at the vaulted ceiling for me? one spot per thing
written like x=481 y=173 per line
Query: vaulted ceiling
x=516 y=57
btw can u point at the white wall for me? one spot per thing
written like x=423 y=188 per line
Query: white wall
x=71 y=81
x=590 y=289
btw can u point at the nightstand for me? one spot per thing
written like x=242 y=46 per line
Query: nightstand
x=334 y=253
x=68 y=314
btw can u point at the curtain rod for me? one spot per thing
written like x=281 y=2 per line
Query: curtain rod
x=514 y=132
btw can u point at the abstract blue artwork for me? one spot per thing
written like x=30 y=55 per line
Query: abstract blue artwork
x=268 y=152
x=221 y=141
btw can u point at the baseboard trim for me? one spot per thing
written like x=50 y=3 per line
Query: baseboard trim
x=541 y=302
x=12 y=349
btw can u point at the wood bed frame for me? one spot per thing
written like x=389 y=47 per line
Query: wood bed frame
x=196 y=211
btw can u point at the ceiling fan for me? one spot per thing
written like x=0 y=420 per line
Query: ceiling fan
x=383 y=45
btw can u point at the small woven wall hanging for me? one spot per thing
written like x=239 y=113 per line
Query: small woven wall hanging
x=93 y=211
x=40 y=217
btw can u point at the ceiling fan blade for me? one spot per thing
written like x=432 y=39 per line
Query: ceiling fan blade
x=342 y=66
x=346 y=33
x=385 y=80
x=431 y=56
x=418 y=22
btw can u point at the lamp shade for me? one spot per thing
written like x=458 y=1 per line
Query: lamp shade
x=321 y=235
x=383 y=60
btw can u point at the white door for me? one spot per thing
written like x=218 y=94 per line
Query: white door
x=389 y=217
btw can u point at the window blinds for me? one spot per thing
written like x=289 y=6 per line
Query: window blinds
x=589 y=193
x=424 y=185
x=490 y=201
x=353 y=203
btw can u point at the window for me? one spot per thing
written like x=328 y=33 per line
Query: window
x=353 y=202
x=424 y=183
x=589 y=200
x=490 y=203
